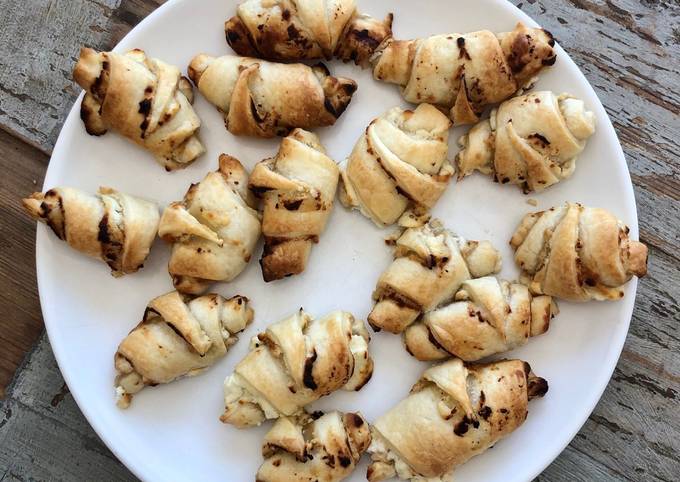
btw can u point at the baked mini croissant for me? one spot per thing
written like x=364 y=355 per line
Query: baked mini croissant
x=532 y=140
x=178 y=336
x=143 y=99
x=577 y=253
x=463 y=73
x=314 y=447
x=295 y=362
x=297 y=187
x=110 y=225
x=399 y=163
x=487 y=316
x=213 y=231
x=430 y=264
x=286 y=30
x=266 y=99
x=453 y=413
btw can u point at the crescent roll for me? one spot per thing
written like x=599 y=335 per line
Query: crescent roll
x=532 y=140
x=267 y=99
x=314 y=447
x=297 y=187
x=287 y=30
x=577 y=253
x=487 y=316
x=295 y=362
x=454 y=412
x=213 y=231
x=178 y=336
x=399 y=168
x=142 y=98
x=110 y=225
x=430 y=264
x=463 y=73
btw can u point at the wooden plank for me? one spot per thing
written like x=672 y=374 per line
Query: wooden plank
x=23 y=169
x=574 y=465
x=629 y=51
x=41 y=448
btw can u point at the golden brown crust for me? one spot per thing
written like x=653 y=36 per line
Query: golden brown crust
x=285 y=31
x=488 y=316
x=285 y=257
x=577 y=253
x=294 y=363
x=399 y=165
x=528 y=51
x=532 y=140
x=112 y=226
x=266 y=99
x=463 y=73
x=362 y=36
x=430 y=265
x=463 y=409
x=143 y=99
x=297 y=187
x=178 y=336
x=213 y=231
x=314 y=447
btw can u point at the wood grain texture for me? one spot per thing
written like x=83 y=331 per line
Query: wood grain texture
x=24 y=168
x=629 y=51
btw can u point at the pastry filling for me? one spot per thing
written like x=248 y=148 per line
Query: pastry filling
x=112 y=233
x=238 y=392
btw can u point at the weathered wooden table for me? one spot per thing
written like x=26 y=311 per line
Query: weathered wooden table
x=630 y=52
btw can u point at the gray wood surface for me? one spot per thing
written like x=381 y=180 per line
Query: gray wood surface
x=630 y=52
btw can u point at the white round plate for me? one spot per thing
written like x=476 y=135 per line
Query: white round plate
x=172 y=432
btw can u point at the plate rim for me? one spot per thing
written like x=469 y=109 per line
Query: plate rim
x=137 y=466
